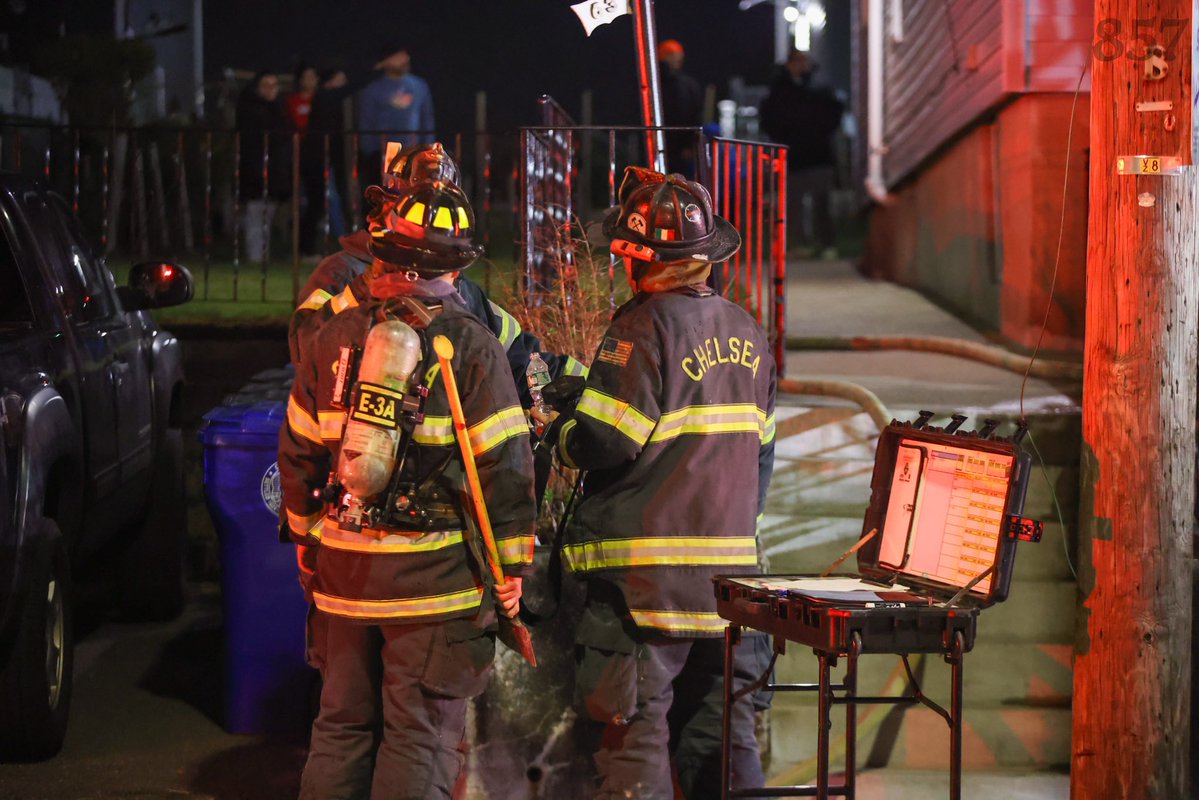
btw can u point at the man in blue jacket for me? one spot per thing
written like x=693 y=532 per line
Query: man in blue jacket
x=396 y=102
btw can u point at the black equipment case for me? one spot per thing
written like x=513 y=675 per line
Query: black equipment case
x=938 y=545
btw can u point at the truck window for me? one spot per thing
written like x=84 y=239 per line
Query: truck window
x=99 y=298
x=79 y=299
x=14 y=301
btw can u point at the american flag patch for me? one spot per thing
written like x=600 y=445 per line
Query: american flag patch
x=615 y=351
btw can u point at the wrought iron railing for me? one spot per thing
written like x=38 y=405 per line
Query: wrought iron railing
x=748 y=181
x=185 y=192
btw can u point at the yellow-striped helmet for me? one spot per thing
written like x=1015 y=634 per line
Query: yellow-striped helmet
x=427 y=227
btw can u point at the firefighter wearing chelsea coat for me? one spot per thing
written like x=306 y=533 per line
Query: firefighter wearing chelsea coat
x=676 y=431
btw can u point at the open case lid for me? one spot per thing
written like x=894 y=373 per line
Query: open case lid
x=947 y=505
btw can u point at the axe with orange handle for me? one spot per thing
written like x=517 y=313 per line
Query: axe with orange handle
x=512 y=631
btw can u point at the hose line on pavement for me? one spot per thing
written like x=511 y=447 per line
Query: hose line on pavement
x=976 y=351
x=866 y=399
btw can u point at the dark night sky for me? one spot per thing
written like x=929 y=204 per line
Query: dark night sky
x=515 y=50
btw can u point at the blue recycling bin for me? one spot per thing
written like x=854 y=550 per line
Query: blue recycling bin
x=268 y=684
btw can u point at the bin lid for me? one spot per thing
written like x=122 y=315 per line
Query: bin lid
x=243 y=423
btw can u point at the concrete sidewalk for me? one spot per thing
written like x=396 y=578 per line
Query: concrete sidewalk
x=831 y=299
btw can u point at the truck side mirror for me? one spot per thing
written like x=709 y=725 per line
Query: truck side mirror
x=156 y=284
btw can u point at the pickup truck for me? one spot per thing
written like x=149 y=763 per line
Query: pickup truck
x=90 y=450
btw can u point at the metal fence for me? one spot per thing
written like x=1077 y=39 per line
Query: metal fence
x=230 y=206
x=233 y=207
x=748 y=181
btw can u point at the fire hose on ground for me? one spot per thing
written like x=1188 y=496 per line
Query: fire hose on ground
x=870 y=403
x=976 y=351
x=867 y=400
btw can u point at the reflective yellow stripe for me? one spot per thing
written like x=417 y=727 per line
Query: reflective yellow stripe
x=343 y=301
x=704 y=420
x=377 y=541
x=332 y=423
x=416 y=213
x=434 y=431
x=679 y=621
x=315 y=301
x=301 y=423
x=617 y=413
x=767 y=434
x=563 y=452
x=574 y=367
x=509 y=327
x=662 y=551
x=436 y=605
x=497 y=429
x=303 y=525
x=516 y=550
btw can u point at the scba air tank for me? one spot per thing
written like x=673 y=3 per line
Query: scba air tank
x=368 y=446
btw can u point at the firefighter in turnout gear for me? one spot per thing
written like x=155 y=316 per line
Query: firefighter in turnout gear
x=676 y=431
x=331 y=288
x=403 y=627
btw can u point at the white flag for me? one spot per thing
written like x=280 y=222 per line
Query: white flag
x=593 y=13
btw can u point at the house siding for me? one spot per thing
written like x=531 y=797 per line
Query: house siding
x=976 y=157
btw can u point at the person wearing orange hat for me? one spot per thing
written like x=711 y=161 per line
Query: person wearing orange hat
x=682 y=104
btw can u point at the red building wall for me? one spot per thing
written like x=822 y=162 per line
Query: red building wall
x=978 y=100
x=946 y=71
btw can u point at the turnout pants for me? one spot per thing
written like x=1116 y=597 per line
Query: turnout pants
x=662 y=698
x=816 y=183
x=411 y=682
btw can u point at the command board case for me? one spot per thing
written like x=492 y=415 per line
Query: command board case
x=937 y=547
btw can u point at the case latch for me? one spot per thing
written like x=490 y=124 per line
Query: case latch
x=1024 y=529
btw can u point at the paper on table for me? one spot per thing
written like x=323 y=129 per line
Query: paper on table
x=833 y=583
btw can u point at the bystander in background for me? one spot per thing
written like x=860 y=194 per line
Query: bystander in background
x=682 y=104
x=397 y=106
x=264 y=160
x=315 y=109
x=328 y=122
x=805 y=117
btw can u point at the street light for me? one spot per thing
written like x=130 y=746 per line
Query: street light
x=815 y=15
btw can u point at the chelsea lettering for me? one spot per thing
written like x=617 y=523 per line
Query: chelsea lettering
x=713 y=352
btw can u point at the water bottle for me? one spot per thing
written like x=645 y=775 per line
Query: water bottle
x=538 y=375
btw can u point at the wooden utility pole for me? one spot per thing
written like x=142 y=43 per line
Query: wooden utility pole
x=1132 y=675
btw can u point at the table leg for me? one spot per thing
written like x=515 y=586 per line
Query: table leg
x=955 y=659
x=851 y=716
x=732 y=635
x=825 y=722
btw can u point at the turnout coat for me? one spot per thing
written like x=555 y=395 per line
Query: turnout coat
x=676 y=430
x=395 y=575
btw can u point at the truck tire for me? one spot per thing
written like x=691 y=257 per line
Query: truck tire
x=35 y=685
x=152 y=566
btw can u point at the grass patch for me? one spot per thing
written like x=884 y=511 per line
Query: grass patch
x=215 y=303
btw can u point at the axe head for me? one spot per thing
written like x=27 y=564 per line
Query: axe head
x=516 y=636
